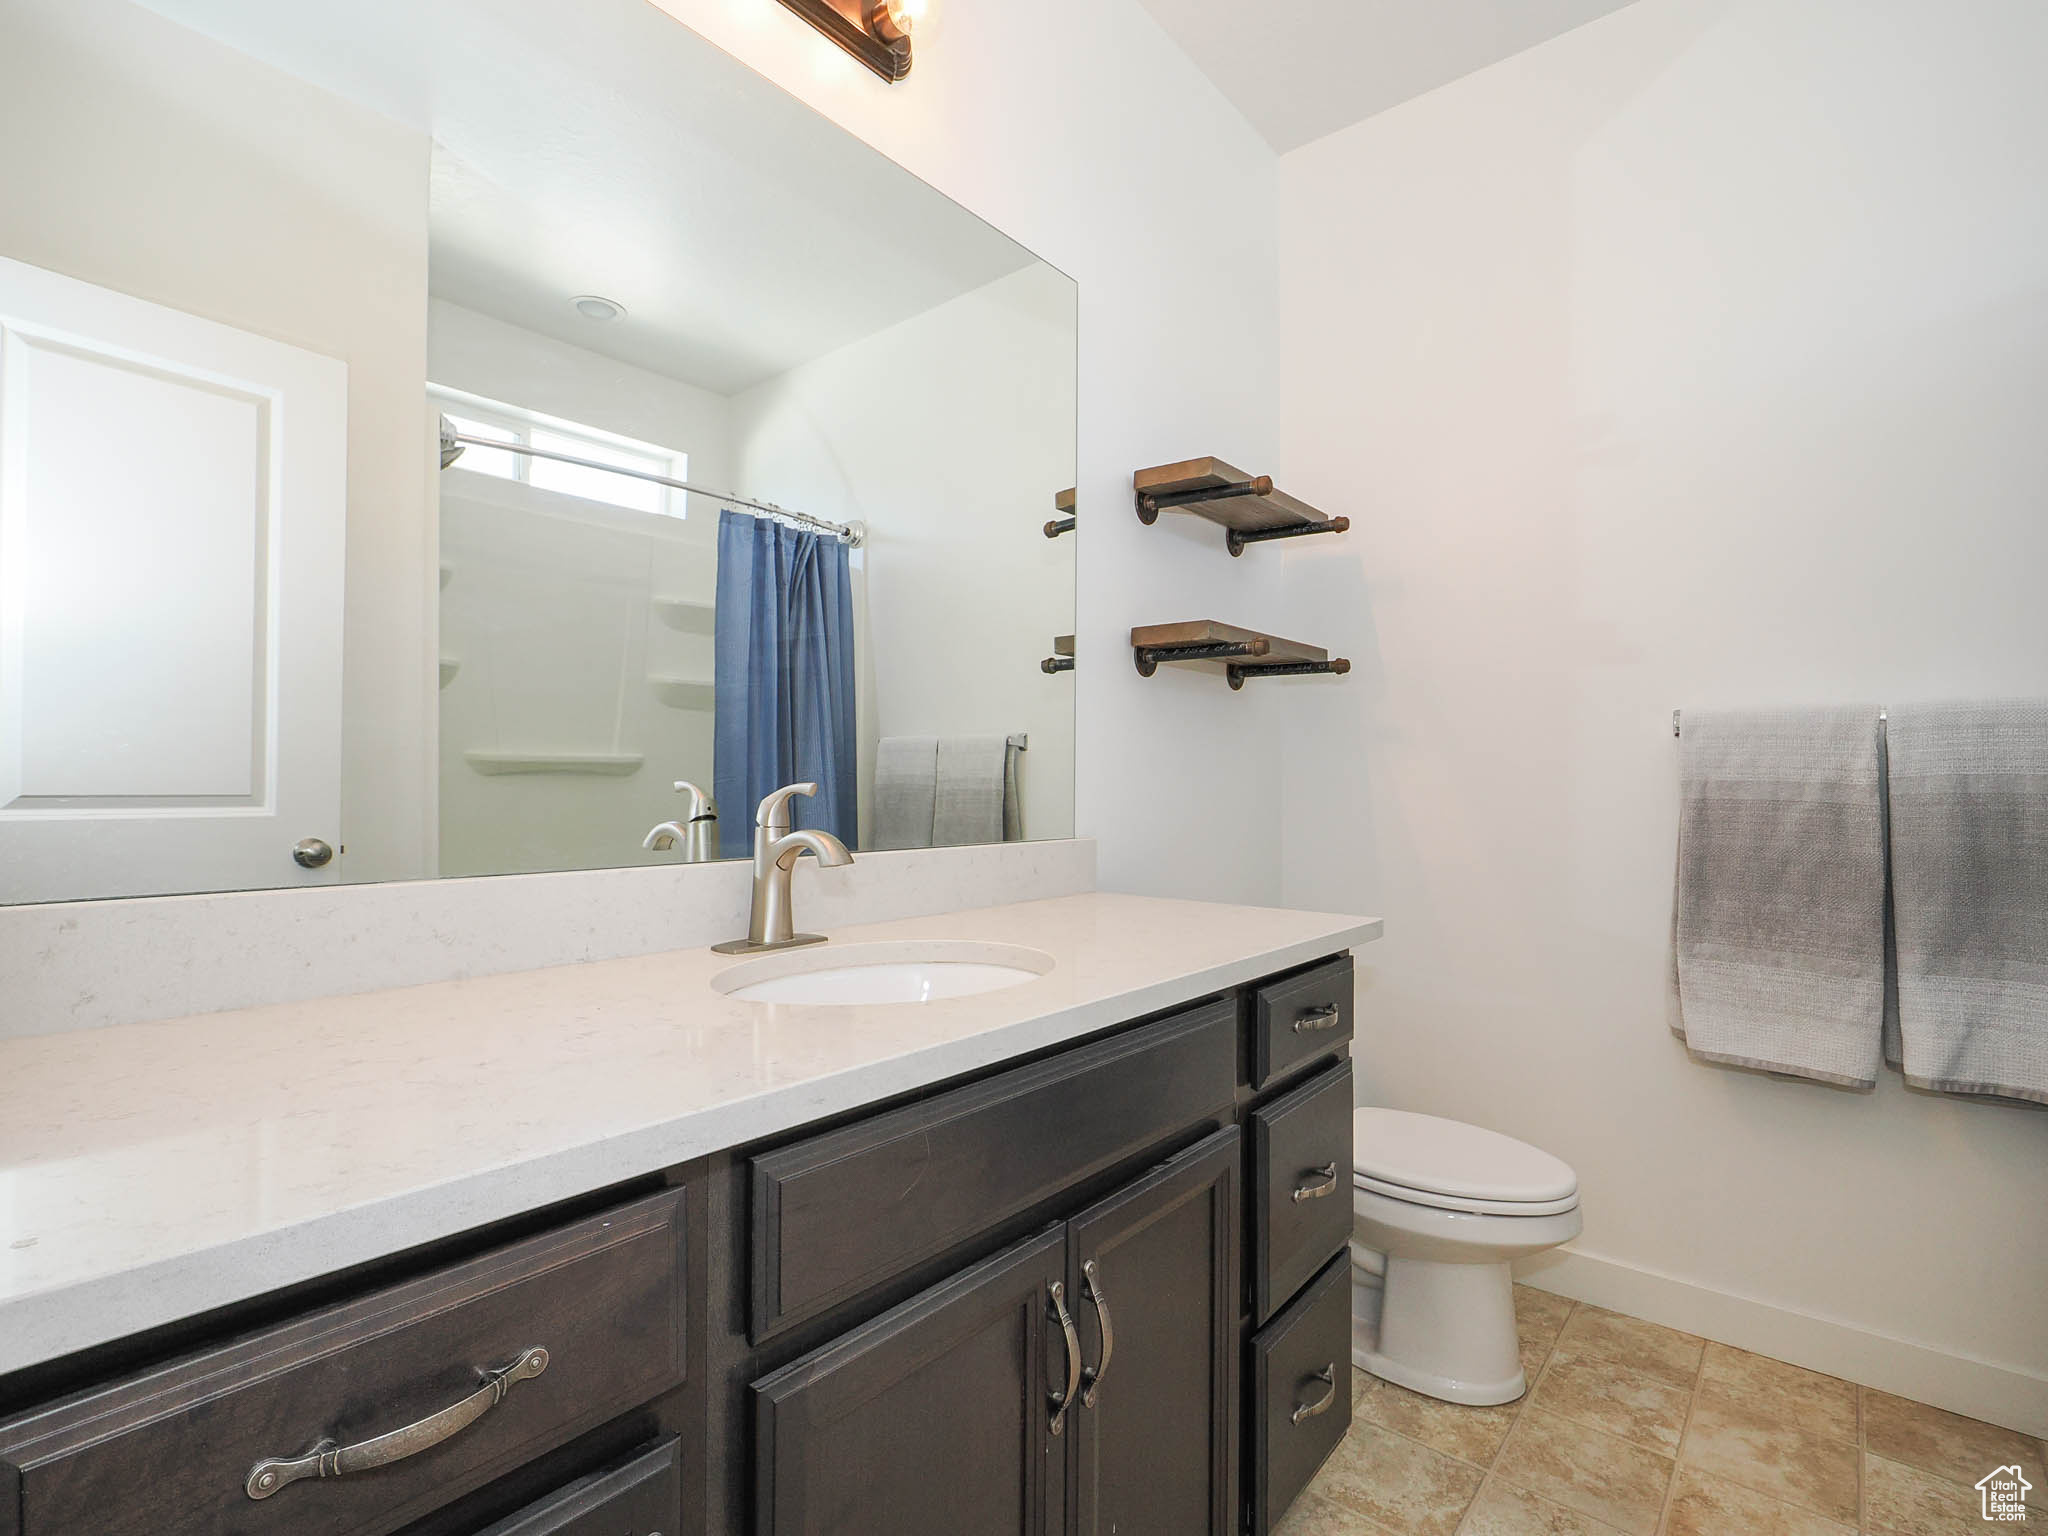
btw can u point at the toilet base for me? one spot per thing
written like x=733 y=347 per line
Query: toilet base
x=1446 y=1331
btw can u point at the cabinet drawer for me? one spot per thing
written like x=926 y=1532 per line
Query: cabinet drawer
x=1301 y=1392
x=1299 y=1019
x=1301 y=1186
x=840 y=1214
x=642 y=1496
x=603 y=1297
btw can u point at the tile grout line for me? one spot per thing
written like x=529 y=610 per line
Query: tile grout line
x=1862 y=1461
x=1692 y=1398
x=1521 y=1408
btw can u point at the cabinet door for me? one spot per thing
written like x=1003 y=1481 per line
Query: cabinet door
x=1154 y=1270
x=933 y=1420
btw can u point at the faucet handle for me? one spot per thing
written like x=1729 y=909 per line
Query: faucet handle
x=773 y=816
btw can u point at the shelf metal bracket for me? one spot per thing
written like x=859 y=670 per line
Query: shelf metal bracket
x=1238 y=539
x=1148 y=657
x=1150 y=506
x=1336 y=666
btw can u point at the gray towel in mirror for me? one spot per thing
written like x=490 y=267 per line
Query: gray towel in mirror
x=1969 y=833
x=906 y=785
x=973 y=773
x=1780 y=892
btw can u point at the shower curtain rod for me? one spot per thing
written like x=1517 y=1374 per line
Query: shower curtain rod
x=855 y=534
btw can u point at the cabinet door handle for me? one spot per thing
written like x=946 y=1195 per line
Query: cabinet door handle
x=1328 y=1375
x=1315 y=1020
x=1326 y=1183
x=1091 y=1284
x=1062 y=1401
x=328 y=1460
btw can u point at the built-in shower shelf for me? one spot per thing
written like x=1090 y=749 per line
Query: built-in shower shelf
x=610 y=765
x=687 y=614
x=449 y=667
x=1242 y=653
x=684 y=692
x=1247 y=506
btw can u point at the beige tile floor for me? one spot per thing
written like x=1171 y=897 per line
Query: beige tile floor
x=1638 y=1429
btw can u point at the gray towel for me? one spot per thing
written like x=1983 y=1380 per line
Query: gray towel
x=1780 y=903
x=1969 y=793
x=906 y=785
x=972 y=776
x=1013 y=796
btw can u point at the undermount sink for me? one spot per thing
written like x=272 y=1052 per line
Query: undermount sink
x=904 y=972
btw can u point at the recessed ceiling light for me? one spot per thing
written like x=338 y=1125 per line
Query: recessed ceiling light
x=591 y=307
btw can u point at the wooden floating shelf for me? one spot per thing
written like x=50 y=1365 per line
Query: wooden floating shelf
x=1062 y=657
x=1247 y=506
x=1063 y=504
x=1243 y=652
x=610 y=765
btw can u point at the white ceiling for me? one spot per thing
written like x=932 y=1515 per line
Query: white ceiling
x=600 y=146
x=1300 y=69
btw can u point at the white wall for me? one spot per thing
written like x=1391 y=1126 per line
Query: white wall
x=1695 y=358
x=1137 y=179
x=949 y=435
x=144 y=158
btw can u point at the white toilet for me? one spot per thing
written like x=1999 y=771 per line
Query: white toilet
x=1439 y=1208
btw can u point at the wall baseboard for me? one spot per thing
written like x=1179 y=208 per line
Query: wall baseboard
x=1982 y=1389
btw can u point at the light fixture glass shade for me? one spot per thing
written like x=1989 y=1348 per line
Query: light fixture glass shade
x=894 y=20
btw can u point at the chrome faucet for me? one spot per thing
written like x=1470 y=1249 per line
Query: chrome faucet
x=776 y=850
x=699 y=837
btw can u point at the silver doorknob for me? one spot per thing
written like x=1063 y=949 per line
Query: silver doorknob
x=312 y=853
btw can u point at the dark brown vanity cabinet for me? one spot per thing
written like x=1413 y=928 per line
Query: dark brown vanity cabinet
x=358 y=1418
x=1083 y=1380
x=1099 y=1292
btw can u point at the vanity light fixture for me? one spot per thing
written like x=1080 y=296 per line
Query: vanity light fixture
x=877 y=32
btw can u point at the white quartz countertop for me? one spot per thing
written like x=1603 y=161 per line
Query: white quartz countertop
x=150 y=1172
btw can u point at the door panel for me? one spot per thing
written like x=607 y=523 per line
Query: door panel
x=933 y=1420
x=1156 y=1452
x=172 y=498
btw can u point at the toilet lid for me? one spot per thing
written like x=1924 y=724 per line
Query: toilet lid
x=1396 y=1150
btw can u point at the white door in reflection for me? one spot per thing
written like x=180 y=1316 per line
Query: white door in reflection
x=172 y=497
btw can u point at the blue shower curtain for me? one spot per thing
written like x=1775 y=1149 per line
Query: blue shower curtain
x=784 y=677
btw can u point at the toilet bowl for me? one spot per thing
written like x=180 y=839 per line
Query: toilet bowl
x=1439 y=1211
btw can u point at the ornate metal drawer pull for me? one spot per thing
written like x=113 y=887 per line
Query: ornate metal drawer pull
x=330 y=1460
x=1092 y=1287
x=1327 y=1374
x=1326 y=1184
x=1062 y=1401
x=1315 y=1020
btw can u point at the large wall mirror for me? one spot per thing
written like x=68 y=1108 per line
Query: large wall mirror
x=430 y=433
